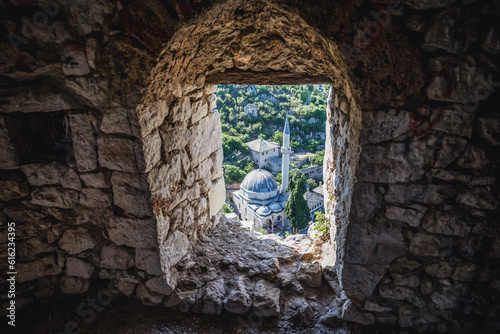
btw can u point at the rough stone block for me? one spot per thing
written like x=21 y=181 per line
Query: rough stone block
x=489 y=129
x=93 y=91
x=412 y=215
x=473 y=158
x=310 y=274
x=365 y=245
x=452 y=147
x=8 y=157
x=469 y=78
x=361 y=280
x=217 y=158
x=13 y=187
x=206 y=138
x=216 y=197
x=478 y=198
x=39 y=174
x=36 y=101
x=131 y=193
x=175 y=137
x=200 y=110
x=77 y=240
x=113 y=257
x=395 y=162
x=148 y=260
x=151 y=117
x=46 y=266
x=425 y=244
x=84 y=142
x=440 y=269
x=446 y=298
x=266 y=301
x=55 y=197
x=173 y=250
x=33 y=246
x=75 y=61
x=78 y=268
x=453 y=30
x=95 y=198
x=379 y=126
x=133 y=232
x=159 y=285
x=213 y=297
x=120 y=121
x=95 y=180
x=238 y=301
x=182 y=110
x=447 y=223
x=74 y=285
x=127 y=288
x=418 y=193
x=455 y=119
x=149 y=152
x=147 y=297
x=117 y=153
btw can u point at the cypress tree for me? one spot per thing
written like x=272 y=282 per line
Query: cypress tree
x=296 y=208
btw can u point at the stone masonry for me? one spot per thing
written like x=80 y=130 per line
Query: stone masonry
x=111 y=159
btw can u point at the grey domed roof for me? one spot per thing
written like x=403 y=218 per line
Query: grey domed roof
x=275 y=207
x=263 y=210
x=259 y=181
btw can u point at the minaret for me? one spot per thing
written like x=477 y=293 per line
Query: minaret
x=285 y=150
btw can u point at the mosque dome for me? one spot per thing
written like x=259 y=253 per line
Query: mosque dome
x=259 y=181
x=263 y=210
x=275 y=207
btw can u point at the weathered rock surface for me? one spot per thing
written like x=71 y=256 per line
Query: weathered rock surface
x=76 y=241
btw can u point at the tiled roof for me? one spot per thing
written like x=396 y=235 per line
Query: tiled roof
x=319 y=190
x=261 y=145
x=313 y=199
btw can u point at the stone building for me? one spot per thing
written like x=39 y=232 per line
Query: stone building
x=262 y=150
x=260 y=200
x=251 y=110
x=315 y=201
x=111 y=158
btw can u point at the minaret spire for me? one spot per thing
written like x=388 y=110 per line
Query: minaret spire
x=285 y=151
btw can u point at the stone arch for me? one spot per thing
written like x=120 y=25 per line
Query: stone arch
x=245 y=42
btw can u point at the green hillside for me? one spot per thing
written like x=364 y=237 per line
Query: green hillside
x=306 y=107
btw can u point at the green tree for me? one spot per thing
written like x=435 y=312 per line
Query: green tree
x=278 y=178
x=231 y=144
x=296 y=208
x=278 y=137
x=249 y=166
x=226 y=208
x=312 y=184
x=233 y=174
x=318 y=158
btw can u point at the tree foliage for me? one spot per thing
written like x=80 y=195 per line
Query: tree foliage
x=318 y=158
x=231 y=144
x=226 y=208
x=233 y=174
x=312 y=184
x=296 y=208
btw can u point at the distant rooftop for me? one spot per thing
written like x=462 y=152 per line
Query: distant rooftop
x=262 y=145
x=319 y=190
x=275 y=160
x=313 y=199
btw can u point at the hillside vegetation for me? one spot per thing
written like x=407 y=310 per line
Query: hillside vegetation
x=306 y=107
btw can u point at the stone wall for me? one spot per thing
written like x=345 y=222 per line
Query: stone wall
x=81 y=169
x=108 y=180
x=111 y=160
x=422 y=239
